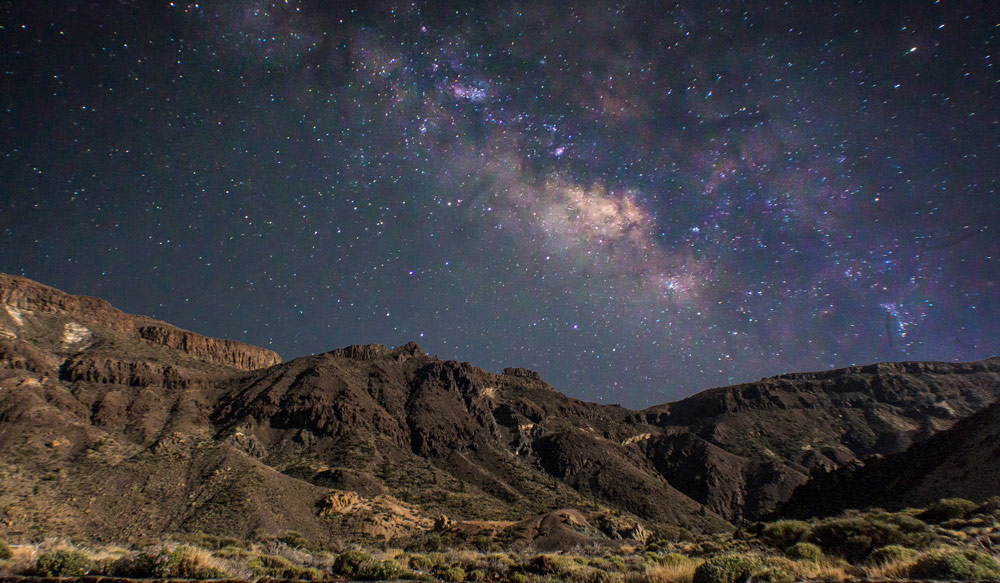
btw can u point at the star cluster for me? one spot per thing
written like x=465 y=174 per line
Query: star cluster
x=637 y=199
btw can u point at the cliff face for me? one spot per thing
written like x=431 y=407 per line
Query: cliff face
x=78 y=322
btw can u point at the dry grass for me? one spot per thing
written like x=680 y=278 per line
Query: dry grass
x=203 y=558
x=822 y=570
x=682 y=572
x=21 y=557
x=896 y=569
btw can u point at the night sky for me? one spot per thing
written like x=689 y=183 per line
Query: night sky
x=639 y=200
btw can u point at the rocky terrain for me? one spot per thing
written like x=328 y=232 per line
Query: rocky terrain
x=116 y=427
x=960 y=462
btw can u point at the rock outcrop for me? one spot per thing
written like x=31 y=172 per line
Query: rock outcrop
x=22 y=299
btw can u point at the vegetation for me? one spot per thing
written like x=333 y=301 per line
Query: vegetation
x=957 y=565
x=804 y=551
x=955 y=542
x=948 y=509
x=891 y=554
x=63 y=563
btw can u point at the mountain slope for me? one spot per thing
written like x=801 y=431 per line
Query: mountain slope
x=740 y=450
x=110 y=431
x=958 y=462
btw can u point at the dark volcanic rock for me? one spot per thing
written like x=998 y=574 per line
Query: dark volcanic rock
x=958 y=462
x=797 y=424
x=121 y=427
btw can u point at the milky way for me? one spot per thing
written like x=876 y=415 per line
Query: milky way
x=638 y=200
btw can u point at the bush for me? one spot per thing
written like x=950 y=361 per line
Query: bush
x=854 y=538
x=548 y=565
x=804 y=551
x=141 y=566
x=452 y=575
x=421 y=563
x=948 y=509
x=773 y=575
x=276 y=567
x=388 y=570
x=349 y=563
x=785 y=533
x=890 y=554
x=270 y=566
x=5 y=552
x=728 y=569
x=961 y=565
x=63 y=564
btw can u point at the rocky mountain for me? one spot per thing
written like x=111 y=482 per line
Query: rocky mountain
x=960 y=462
x=119 y=427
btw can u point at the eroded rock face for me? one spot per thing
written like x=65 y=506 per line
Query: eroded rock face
x=225 y=352
x=78 y=322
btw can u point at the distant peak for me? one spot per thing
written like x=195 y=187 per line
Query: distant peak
x=377 y=351
x=522 y=372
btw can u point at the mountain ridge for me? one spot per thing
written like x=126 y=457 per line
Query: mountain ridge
x=121 y=435
x=21 y=296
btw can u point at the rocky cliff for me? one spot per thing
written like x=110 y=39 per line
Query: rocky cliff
x=73 y=321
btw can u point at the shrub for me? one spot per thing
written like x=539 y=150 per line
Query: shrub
x=890 y=554
x=387 y=570
x=519 y=577
x=481 y=543
x=143 y=565
x=804 y=551
x=63 y=563
x=5 y=552
x=348 y=563
x=277 y=567
x=270 y=566
x=728 y=569
x=785 y=533
x=961 y=565
x=452 y=575
x=421 y=563
x=855 y=537
x=773 y=575
x=232 y=552
x=548 y=565
x=949 y=508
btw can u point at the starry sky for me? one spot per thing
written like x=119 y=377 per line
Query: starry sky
x=639 y=200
